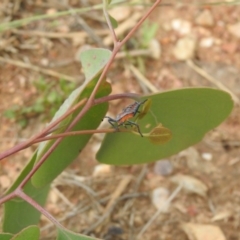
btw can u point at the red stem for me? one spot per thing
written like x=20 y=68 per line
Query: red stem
x=90 y=102
x=26 y=144
x=28 y=199
x=109 y=23
x=7 y=197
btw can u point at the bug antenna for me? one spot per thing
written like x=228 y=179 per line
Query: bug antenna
x=143 y=101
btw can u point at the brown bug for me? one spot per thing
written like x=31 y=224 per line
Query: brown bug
x=122 y=118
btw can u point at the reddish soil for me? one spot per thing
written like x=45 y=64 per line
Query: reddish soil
x=215 y=161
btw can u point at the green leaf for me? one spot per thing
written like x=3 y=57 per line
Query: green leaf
x=145 y=108
x=64 y=234
x=5 y=236
x=160 y=135
x=31 y=232
x=71 y=146
x=188 y=113
x=113 y=21
x=19 y=214
x=93 y=61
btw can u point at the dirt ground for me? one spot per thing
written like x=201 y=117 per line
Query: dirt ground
x=118 y=202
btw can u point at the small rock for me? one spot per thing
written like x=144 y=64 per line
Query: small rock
x=205 y=18
x=190 y=184
x=235 y=29
x=207 y=156
x=185 y=48
x=224 y=215
x=44 y=62
x=192 y=158
x=163 y=167
x=155 y=48
x=206 y=42
x=159 y=199
x=113 y=232
x=102 y=170
x=202 y=231
x=183 y=27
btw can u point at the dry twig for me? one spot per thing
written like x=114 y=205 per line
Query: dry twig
x=117 y=193
x=204 y=74
x=38 y=69
x=173 y=195
x=142 y=79
x=58 y=34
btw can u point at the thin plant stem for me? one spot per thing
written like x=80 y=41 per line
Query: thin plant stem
x=46 y=131
x=51 y=149
x=88 y=104
x=109 y=22
x=39 y=163
x=118 y=45
x=74 y=133
x=28 y=199
x=116 y=49
x=140 y=22
x=90 y=101
x=51 y=126
x=7 y=197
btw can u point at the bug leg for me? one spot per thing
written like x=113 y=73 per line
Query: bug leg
x=112 y=121
x=123 y=124
x=135 y=124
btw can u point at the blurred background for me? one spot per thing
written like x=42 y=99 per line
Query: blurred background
x=182 y=44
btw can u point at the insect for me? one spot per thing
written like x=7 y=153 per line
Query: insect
x=122 y=118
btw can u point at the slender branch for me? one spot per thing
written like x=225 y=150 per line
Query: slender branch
x=116 y=49
x=115 y=97
x=91 y=100
x=50 y=150
x=51 y=126
x=38 y=69
x=74 y=133
x=46 y=131
x=7 y=197
x=18 y=192
x=28 y=199
x=140 y=22
x=109 y=23
x=40 y=162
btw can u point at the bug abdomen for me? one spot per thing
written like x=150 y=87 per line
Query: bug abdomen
x=125 y=117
